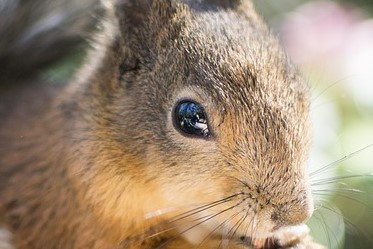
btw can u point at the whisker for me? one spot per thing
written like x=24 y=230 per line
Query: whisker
x=249 y=225
x=230 y=230
x=202 y=208
x=350 y=223
x=340 y=190
x=158 y=212
x=199 y=223
x=216 y=228
x=175 y=219
x=322 y=225
x=316 y=172
x=175 y=227
x=329 y=102
x=244 y=218
x=338 y=178
x=330 y=86
x=253 y=232
x=331 y=230
x=352 y=199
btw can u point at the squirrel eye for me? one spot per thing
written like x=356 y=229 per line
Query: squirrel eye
x=190 y=118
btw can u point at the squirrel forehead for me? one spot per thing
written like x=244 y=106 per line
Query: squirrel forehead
x=226 y=50
x=241 y=63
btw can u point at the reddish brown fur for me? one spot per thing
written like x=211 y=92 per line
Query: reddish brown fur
x=84 y=172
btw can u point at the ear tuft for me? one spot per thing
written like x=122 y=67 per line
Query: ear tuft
x=213 y=4
x=137 y=12
x=142 y=19
x=132 y=12
x=224 y=3
x=141 y=23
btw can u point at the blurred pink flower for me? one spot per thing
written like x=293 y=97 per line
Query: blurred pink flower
x=317 y=30
x=326 y=36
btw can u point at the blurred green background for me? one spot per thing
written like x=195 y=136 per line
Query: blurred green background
x=332 y=42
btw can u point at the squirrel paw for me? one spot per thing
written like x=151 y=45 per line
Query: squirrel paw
x=296 y=237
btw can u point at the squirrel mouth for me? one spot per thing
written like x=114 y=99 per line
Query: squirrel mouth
x=267 y=243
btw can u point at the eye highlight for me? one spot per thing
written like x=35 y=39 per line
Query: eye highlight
x=191 y=119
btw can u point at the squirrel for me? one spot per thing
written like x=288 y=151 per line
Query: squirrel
x=186 y=126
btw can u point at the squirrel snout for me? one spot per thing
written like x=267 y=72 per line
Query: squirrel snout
x=293 y=215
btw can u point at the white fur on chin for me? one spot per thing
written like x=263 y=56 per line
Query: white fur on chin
x=5 y=239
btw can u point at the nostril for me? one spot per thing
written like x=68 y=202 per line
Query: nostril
x=276 y=220
x=290 y=217
x=274 y=217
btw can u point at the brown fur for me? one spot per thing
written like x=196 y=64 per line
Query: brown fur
x=85 y=172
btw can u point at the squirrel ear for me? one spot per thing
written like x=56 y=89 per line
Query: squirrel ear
x=140 y=23
x=141 y=18
x=225 y=3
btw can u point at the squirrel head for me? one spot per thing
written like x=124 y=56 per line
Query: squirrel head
x=193 y=102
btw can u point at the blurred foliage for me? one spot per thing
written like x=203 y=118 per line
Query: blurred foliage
x=271 y=8
x=63 y=70
x=362 y=4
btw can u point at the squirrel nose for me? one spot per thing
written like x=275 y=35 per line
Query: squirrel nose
x=292 y=216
